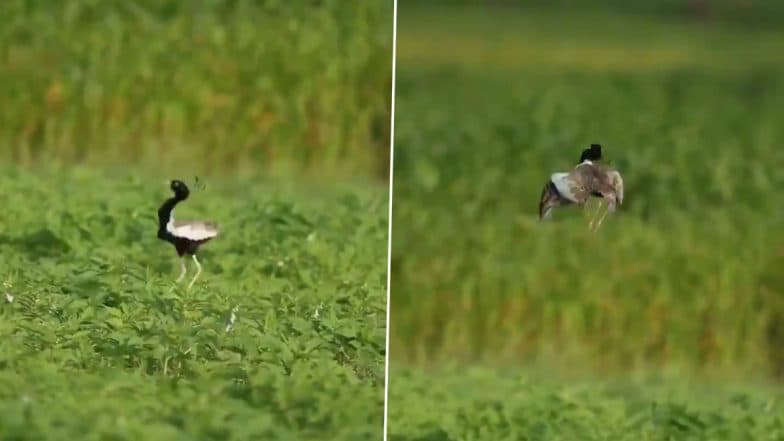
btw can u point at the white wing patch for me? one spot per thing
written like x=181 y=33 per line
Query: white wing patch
x=562 y=184
x=191 y=230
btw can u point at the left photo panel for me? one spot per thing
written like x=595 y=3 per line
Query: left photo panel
x=194 y=234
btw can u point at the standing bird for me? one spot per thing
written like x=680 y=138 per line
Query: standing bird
x=186 y=236
x=586 y=180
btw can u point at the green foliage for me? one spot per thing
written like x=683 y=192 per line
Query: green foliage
x=748 y=14
x=480 y=404
x=99 y=342
x=220 y=85
x=542 y=41
x=684 y=278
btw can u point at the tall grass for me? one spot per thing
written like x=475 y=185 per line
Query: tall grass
x=217 y=85
x=685 y=278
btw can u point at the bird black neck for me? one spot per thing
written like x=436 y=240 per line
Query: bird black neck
x=164 y=214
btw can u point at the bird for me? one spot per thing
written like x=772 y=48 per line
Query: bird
x=186 y=236
x=575 y=187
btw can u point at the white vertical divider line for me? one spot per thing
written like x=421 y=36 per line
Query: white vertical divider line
x=389 y=221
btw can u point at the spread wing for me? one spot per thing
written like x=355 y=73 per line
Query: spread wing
x=574 y=186
x=566 y=185
x=193 y=230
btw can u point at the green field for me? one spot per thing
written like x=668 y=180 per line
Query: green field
x=282 y=110
x=683 y=284
x=100 y=343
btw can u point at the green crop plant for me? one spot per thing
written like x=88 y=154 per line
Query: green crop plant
x=282 y=337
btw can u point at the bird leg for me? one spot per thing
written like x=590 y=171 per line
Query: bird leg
x=610 y=207
x=594 y=216
x=198 y=271
x=183 y=270
x=600 y=220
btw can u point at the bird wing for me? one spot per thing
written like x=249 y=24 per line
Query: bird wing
x=547 y=201
x=193 y=230
x=568 y=185
x=617 y=183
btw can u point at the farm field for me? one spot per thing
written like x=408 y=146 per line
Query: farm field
x=684 y=283
x=100 y=343
x=282 y=110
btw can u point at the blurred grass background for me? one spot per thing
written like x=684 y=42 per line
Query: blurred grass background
x=211 y=86
x=687 y=99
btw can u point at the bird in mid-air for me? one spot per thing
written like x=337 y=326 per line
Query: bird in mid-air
x=587 y=179
x=186 y=236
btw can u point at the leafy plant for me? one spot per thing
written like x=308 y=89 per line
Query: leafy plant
x=282 y=337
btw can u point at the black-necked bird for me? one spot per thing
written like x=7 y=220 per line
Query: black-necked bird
x=186 y=236
x=575 y=187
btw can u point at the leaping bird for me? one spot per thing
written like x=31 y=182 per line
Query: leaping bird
x=577 y=186
x=186 y=236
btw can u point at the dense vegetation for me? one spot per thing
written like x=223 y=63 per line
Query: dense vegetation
x=687 y=273
x=685 y=281
x=282 y=109
x=735 y=13
x=254 y=84
x=100 y=343
x=480 y=404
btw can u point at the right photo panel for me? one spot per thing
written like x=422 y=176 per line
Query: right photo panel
x=587 y=238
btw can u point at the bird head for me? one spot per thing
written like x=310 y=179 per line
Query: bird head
x=180 y=190
x=594 y=153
